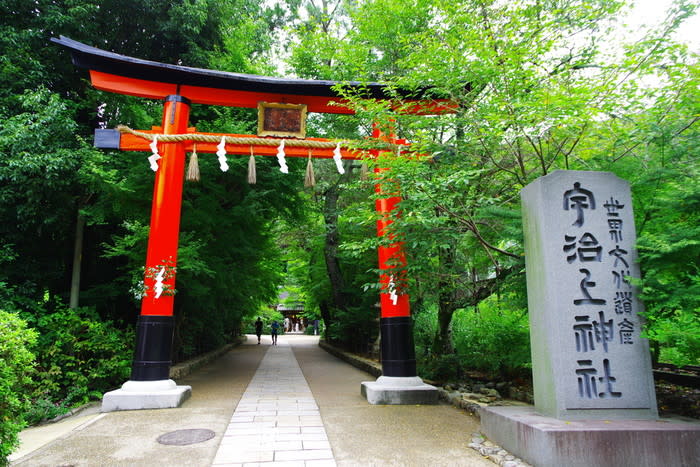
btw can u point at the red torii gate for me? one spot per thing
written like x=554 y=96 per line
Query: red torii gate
x=179 y=87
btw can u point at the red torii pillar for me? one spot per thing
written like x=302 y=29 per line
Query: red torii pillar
x=397 y=349
x=399 y=383
x=155 y=326
x=150 y=385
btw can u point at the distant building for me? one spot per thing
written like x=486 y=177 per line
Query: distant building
x=292 y=310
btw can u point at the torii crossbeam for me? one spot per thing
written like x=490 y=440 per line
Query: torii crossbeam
x=179 y=87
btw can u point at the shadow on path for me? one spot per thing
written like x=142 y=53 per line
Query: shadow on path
x=382 y=435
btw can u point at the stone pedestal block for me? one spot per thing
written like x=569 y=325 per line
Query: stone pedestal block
x=136 y=395
x=549 y=442
x=389 y=390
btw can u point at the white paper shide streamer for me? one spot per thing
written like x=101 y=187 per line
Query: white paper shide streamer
x=281 y=158
x=392 y=291
x=338 y=159
x=221 y=152
x=153 y=158
x=158 y=286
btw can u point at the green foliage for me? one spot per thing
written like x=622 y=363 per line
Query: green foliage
x=489 y=338
x=669 y=250
x=537 y=91
x=78 y=358
x=41 y=184
x=49 y=173
x=679 y=335
x=493 y=339
x=441 y=367
x=354 y=328
x=16 y=364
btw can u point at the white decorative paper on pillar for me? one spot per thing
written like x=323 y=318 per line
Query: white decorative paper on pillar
x=338 y=158
x=392 y=291
x=158 y=285
x=221 y=153
x=155 y=156
x=281 y=158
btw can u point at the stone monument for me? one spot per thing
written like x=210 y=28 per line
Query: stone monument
x=595 y=402
x=588 y=358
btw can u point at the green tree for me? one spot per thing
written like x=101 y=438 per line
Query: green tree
x=536 y=88
x=50 y=178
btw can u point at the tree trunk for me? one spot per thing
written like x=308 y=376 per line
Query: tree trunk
x=330 y=248
x=77 y=261
x=443 y=345
x=327 y=319
x=447 y=303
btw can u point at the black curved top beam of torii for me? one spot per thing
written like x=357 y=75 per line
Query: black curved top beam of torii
x=122 y=74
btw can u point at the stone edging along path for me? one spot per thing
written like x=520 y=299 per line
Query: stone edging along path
x=183 y=369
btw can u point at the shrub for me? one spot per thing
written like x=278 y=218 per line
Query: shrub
x=441 y=368
x=79 y=357
x=679 y=336
x=15 y=364
x=424 y=328
x=354 y=329
x=493 y=339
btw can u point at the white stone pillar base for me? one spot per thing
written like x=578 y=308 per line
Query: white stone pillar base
x=393 y=390
x=137 y=395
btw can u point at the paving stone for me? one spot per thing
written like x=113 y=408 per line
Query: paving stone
x=316 y=445
x=306 y=454
x=321 y=463
x=277 y=421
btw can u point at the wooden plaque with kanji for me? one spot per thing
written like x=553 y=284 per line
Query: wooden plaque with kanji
x=285 y=120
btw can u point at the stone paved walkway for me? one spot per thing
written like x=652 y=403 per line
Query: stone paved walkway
x=277 y=422
x=265 y=412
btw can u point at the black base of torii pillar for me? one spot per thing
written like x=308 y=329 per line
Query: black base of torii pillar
x=399 y=383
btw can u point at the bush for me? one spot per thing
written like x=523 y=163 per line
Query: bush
x=79 y=357
x=424 y=328
x=679 y=336
x=441 y=368
x=493 y=339
x=354 y=329
x=15 y=364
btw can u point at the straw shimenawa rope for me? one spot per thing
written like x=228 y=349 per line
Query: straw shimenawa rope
x=243 y=140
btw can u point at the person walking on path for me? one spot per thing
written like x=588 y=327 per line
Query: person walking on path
x=258 y=328
x=275 y=327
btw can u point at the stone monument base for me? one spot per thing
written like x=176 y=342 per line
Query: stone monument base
x=545 y=441
x=393 y=390
x=136 y=395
